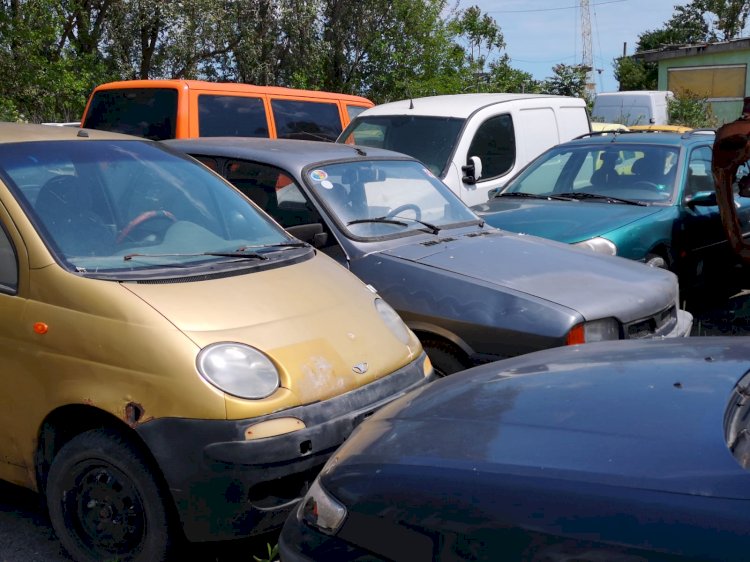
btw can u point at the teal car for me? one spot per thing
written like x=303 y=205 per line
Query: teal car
x=643 y=196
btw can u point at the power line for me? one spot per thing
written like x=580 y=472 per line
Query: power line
x=549 y=9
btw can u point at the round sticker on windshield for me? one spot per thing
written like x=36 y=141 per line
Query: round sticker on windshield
x=318 y=175
x=326 y=184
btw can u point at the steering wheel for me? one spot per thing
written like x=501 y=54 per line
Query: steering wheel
x=140 y=220
x=406 y=207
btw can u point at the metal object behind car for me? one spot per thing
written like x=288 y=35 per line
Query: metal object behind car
x=612 y=451
x=471 y=293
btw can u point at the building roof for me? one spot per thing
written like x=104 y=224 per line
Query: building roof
x=682 y=51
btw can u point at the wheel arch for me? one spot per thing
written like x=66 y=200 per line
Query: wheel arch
x=64 y=423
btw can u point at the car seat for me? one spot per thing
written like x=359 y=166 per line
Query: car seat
x=66 y=209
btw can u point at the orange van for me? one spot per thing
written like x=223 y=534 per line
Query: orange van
x=167 y=109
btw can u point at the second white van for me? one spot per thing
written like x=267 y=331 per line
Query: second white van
x=641 y=107
x=473 y=142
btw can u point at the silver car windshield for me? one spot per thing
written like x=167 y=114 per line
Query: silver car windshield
x=128 y=206
x=384 y=198
x=635 y=173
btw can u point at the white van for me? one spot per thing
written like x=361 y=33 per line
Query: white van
x=643 y=107
x=473 y=142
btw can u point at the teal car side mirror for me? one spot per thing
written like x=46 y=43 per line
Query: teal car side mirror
x=701 y=199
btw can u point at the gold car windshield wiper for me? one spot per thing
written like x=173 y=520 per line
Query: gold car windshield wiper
x=233 y=254
x=241 y=252
x=608 y=198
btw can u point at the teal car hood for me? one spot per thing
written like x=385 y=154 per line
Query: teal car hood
x=564 y=221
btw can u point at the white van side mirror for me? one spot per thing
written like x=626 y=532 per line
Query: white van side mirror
x=472 y=171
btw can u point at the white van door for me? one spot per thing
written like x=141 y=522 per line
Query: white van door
x=493 y=139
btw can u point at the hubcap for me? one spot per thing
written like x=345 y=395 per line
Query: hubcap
x=106 y=510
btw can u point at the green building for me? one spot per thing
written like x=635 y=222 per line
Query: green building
x=717 y=71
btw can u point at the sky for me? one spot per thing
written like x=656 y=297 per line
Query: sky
x=541 y=33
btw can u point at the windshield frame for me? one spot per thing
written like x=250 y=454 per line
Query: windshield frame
x=203 y=264
x=419 y=228
x=674 y=189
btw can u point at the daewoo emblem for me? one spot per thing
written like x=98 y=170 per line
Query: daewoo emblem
x=360 y=368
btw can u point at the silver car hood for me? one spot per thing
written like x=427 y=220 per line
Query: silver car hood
x=591 y=284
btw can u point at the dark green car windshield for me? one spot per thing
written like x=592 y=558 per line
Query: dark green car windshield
x=640 y=173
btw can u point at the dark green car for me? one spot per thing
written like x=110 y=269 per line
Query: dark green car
x=643 y=196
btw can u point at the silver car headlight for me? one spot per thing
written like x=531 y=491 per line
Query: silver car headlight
x=321 y=510
x=605 y=329
x=599 y=245
x=238 y=369
x=393 y=321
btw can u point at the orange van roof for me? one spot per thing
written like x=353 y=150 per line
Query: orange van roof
x=229 y=86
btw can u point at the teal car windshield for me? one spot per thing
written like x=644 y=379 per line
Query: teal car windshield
x=387 y=198
x=644 y=174
x=120 y=207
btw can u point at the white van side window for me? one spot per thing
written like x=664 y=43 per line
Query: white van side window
x=495 y=143
x=8 y=264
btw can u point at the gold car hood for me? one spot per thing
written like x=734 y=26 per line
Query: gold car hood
x=314 y=319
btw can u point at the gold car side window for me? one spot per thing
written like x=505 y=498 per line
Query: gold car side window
x=8 y=264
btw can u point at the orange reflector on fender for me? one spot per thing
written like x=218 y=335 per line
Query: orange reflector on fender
x=40 y=328
x=576 y=335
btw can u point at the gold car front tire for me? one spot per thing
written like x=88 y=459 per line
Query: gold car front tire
x=104 y=502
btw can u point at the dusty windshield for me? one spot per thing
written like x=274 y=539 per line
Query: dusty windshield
x=109 y=207
x=387 y=198
x=642 y=174
x=430 y=140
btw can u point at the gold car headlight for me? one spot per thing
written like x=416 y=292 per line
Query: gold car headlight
x=238 y=369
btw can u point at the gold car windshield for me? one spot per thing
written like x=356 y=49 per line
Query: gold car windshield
x=104 y=207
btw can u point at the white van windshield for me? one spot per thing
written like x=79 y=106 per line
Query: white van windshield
x=430 y=140
x=106 y=207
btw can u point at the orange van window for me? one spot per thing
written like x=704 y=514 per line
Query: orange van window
x=296 y=119
x=231 y=116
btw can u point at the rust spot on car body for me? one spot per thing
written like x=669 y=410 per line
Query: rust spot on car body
x=133 y=413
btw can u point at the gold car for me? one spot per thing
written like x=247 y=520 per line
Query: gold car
x=171 y=357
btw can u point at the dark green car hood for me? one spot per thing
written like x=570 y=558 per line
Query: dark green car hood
x=564 y=221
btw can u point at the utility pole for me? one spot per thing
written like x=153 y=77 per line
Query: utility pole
x=588 y=55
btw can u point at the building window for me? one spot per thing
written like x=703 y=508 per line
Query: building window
x=712 y=82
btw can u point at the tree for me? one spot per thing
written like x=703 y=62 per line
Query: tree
x=567 y=80
x=690 y=109
x=634 y=74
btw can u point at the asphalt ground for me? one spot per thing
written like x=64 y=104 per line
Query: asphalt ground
x=27 y=536
x=719 y=308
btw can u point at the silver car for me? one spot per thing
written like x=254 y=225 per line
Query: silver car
x=472 y=293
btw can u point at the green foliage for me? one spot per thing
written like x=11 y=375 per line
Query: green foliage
x=568 y=80
x=53 y=53
x=690 y=109
x=273 y=554
x=634 y=74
